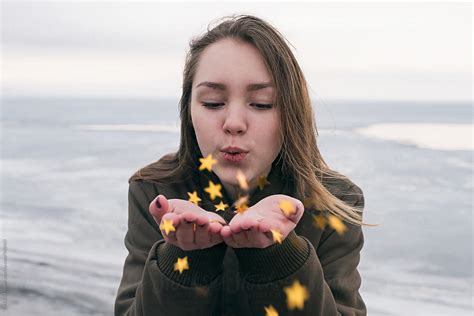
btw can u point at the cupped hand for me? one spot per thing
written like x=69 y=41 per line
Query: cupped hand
x=253 y=228
x=195 y=228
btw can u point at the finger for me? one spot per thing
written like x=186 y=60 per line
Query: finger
x=185 y=233
x=241 y=223
x=215 y=228
x=189 y=216
x=258 y=239
x=247 y=223
x=216 y=238
x=226 y=235
x=240 y=239
x=238 y=234
x=202 y=235
x=171 y=236
x=226 y=232
x=275 y=232
x=299 y=209
x=201 y=219
x=230 y=242
x=264 y=227
x=158 y=207
x=235 y=228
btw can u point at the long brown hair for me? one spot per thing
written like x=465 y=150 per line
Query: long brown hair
x=300 y=155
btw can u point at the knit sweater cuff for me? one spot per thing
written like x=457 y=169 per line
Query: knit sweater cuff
x=275 y=262
x=204 y=264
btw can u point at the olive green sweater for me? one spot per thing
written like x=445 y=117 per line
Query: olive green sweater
x=226 y=281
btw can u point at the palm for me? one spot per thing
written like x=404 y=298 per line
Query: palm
x=191 y=226
x=268 y=211
x=253 y=228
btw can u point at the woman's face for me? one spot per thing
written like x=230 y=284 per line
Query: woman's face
x=243 y=115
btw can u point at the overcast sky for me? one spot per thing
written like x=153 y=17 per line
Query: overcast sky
x=350 y=51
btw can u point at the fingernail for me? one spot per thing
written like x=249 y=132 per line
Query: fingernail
x=157 y=202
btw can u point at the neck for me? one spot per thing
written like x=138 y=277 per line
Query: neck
x=233 y=190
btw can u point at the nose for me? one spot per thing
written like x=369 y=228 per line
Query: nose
x=235 y=121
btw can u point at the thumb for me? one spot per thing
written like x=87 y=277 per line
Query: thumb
x=159 y=207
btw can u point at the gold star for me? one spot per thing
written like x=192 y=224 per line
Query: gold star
x=242 y=180
x=287 y=207
x=262 y=182
x=167 y=226
x=241 y=204
x=216 y=221
x=270 y=311
x=319 y=221
x=213 y=190
x=193 y=198
x=221 y=206
x=296 y=294
x=181 y=264
x=337 y=224
x=206 y=163
x=276 y=235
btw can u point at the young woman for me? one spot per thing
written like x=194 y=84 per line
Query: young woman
x=220 y=227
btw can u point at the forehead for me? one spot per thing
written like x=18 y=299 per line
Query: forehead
x=229 y=64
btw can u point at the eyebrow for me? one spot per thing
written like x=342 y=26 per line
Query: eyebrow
x=221 y=86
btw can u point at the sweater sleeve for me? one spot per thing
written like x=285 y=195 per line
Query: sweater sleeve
x=149 y=284
x=329 y=274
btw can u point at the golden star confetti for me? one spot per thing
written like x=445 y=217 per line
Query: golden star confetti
x=193 y=198
x=287 y=207
x=262 y=182
x=270 y=311
x=206 y=163
x=242 y=180
x=296 y=294
x=276 y=235
x=167 y=226
x=337 y=224
x=216 y=221
x=214 y=190
x=241 y=204
x=319 y=221
x=221 y=206
x=181 y=265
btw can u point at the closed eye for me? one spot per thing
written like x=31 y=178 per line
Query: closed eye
x=262 y=106
x=259 y=106
x=211 y=105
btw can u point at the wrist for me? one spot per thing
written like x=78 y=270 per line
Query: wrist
x=263 y=265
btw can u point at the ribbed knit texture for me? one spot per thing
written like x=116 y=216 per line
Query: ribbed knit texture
x=204 y=264
x=275 y=262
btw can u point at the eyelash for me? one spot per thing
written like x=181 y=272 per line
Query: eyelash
x=215 y=105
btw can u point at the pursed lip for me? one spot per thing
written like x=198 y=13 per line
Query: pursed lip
x=234 y=149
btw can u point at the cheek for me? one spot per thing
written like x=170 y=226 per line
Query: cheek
x=197 y=119
x=204 y=129
x=269 y=139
